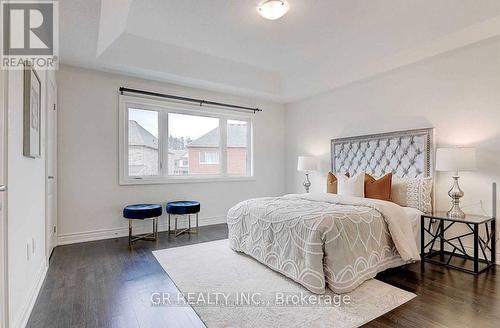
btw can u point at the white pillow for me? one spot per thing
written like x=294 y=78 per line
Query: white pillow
x=353 y=186
x=412 y=192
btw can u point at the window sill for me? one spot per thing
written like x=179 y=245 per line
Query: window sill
x=170 y=180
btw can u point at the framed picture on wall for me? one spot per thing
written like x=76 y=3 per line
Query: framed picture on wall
x=32 y=113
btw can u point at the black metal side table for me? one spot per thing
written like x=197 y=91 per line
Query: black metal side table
x=451 y=251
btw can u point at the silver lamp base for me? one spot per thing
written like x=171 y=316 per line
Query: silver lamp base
x=307 y=183
x=455 y=193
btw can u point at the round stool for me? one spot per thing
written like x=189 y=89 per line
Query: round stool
x=142 y=212
x=183 y=208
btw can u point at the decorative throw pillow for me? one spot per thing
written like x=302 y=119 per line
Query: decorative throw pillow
x=354 y=186
x=378 y=188
x=331 y=183
x=413 y=192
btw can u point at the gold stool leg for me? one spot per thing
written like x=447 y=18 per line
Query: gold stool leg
x=179 y=232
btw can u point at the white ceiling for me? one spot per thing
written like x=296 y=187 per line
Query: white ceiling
x=225 y=45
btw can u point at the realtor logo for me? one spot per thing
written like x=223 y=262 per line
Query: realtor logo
x=29 y=33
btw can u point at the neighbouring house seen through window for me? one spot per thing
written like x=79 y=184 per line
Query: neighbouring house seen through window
x=142 y=142
x=237 y=144
x=196 y=141
x=209 y=157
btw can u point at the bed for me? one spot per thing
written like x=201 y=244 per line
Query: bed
x=331 y=241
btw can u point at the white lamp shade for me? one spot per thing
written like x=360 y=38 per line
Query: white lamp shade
x=307 y=163
x=456 y=159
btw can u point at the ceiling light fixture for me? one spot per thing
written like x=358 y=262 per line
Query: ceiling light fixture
x=273 y=9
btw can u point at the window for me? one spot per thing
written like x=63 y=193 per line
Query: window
x=163 y=142
x=237 y=144
x=209 y=157
x=143 y=156
x=190 y=137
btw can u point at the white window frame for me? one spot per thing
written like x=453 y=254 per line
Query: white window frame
x=164 y=108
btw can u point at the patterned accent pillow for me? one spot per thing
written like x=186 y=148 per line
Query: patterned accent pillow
x=412 y=192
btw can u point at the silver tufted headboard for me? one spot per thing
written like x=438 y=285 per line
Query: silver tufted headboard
x=404 y=153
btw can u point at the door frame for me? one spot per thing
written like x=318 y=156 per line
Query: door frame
x=51 y=83
x=4 y=283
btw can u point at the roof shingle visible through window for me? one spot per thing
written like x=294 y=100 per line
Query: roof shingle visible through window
x=236 y=137
x=138 y=136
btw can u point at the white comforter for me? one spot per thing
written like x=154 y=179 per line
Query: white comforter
x=323 y=240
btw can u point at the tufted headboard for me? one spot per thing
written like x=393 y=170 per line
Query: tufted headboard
x=404 y=153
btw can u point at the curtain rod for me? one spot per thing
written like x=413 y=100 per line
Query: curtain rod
x=201 y=102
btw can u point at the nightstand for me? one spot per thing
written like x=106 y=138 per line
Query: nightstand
x=440 y=246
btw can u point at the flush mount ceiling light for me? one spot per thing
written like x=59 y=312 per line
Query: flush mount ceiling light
x=273 y=9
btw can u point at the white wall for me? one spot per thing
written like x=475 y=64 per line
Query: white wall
x=90 y=199
x=26 y=208
x=457 y=93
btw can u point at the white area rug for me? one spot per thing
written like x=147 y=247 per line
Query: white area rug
x=211 y=271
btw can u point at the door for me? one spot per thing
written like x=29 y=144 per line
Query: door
x=4 y=310
x=51 y=165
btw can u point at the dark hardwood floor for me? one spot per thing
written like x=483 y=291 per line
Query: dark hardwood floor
x=104 y=284
x=445 y=298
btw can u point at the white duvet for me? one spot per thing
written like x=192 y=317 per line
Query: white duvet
x=322 y=240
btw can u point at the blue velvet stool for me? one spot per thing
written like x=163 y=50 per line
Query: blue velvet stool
x=142 y=212
x=185 y=209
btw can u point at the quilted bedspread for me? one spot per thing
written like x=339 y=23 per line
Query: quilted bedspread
x=322 y=240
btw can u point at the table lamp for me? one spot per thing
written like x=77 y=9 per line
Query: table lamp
x=307 y=164
x=455 y=160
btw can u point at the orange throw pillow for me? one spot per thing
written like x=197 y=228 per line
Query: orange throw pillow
x=331 y=183
x=378 y=189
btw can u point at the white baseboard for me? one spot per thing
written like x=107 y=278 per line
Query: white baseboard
x=139 y=227
x=22 y=319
